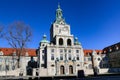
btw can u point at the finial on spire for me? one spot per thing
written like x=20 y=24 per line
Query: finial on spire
x=59 y=15
x=58 y=5
x=44 y=36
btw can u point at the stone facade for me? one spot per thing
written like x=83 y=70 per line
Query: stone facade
x=63 y=55
x=113 y=54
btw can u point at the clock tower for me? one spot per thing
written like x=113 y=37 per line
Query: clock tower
x=60 y=28
x=63 y=54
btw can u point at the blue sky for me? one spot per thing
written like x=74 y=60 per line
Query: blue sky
x=96 y=23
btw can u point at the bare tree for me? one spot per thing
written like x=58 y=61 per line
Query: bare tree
x=1 y=31
x=18 y=35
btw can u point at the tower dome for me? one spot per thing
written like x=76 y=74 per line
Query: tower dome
x=44 y=40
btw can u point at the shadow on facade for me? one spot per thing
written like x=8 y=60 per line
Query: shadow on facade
x=31 y=64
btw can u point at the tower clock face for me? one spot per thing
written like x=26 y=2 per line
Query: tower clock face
x=65 y=28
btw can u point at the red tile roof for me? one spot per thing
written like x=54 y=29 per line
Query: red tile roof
x=10 y=51
x=86 y=52
x=32 y=52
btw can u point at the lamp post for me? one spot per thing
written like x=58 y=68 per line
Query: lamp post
x=56 y=65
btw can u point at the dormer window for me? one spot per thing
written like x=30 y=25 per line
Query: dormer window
x=110 y=49
x=1 y=53
x=116 y=47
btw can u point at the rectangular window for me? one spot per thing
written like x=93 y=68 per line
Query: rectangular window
x=43 y=51
x=61 y=51
x=77 y=57
x=84 y=59
x=65 y=50
x=52 y=56
x=42 y=65
x=89 y=59
x=69 y=51
x=43 y=57
x=52 y=50
x=69 y=57
x=77 y=51
x=61 y=56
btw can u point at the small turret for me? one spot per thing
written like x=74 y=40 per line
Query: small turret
x=76 y=41
x=44 y=40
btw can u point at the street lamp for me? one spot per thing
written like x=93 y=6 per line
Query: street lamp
x=56 y=65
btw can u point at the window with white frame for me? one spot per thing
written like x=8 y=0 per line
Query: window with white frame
x=77 y=51
x=77 y=57
x=61 y=50
x=61 y=56
x=52 y=50
x=69 y=57
x=43 y=51
x=89 y=58
x=52 y=56
x=69 y=51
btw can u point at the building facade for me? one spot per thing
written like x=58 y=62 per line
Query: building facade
x=9 y=61
x=63 y=55
x=113 y=54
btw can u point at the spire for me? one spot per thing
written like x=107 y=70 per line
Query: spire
x=59 y=12
x=59 y=15
x=58 y=5
x=44 y=37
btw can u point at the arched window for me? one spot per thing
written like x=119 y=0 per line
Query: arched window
x=62 y=70
x=70 y=69
x=60 y=41
x=69 y=42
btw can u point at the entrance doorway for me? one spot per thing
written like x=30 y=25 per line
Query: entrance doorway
x=62 y=70
x=70 y=69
